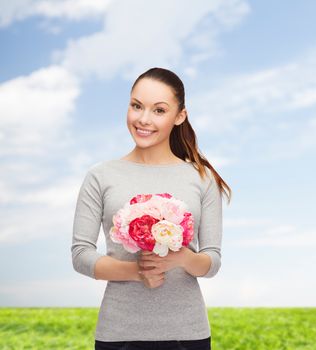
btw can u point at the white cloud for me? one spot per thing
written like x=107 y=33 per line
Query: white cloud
x=43 y=201
x=17 y=10
x=299 y=138
x=252 y=98
x=240 y=288
x=246 y=222
x=218 y=161
x=271 y=111
x=278 y=236
x=54 y=292
x=190 y=72
x=41 y=217
x=43 y=197
x=145 y=34
x=35 y=109
x=35 y=117
x=297 y=239
x=72 y=9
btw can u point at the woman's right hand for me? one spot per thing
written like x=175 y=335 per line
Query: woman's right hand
x=154 y=278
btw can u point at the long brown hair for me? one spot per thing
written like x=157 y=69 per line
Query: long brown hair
x=183 y=141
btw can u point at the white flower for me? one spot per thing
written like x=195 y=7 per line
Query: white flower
x=167 y=235
x=160 y=249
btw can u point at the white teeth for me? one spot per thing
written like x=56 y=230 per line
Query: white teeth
x=144 y=131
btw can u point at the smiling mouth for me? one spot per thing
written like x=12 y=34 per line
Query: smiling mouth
x=144 y=132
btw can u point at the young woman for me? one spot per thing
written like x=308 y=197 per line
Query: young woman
x=152 y=302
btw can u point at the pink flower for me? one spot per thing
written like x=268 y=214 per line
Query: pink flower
x=165 y=195
x=140 y=198
x=140 y=231
x=154 y=222
x=187 y=223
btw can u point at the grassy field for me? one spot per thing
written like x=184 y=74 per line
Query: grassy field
x=231 y=328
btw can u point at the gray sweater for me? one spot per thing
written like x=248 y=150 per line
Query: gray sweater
x=129 y=310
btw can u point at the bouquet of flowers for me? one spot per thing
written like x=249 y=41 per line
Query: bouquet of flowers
x=154 y=222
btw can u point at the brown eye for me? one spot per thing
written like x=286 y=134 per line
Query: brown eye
x=161 y=110
x=135 y=104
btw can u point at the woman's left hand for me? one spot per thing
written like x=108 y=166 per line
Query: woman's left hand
x=149 y=260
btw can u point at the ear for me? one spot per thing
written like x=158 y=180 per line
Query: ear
x=180 y=118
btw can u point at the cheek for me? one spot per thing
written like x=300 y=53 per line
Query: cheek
x=131 y=117
x=165 y=126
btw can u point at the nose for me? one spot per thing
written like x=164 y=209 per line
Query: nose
x=145 y=118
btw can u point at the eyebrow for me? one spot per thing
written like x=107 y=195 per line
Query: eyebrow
x=154 y=103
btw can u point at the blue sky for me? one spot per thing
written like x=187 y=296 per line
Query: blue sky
x=249 y=69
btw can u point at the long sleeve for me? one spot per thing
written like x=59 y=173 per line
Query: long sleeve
x=210 y=229
x=86 y=226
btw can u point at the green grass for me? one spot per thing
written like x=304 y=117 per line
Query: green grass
x=231 y=328
x=263 y=328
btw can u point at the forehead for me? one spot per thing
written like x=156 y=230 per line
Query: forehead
x=152 y=91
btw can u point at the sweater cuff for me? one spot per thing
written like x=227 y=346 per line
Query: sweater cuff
x=84 y=263
x=215 y=263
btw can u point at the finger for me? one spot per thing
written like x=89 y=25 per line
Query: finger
x=146 y=252
x=156 y=279
x=161 y=277
x=152 y=272
x=153 y=279
x=149 y=265
x=146 y=264
x=148 y=257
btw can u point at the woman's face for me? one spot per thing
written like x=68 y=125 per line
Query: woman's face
x=153 y=108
